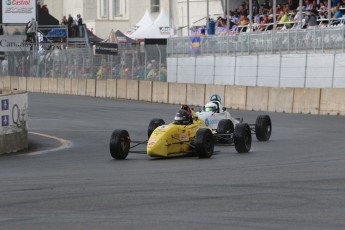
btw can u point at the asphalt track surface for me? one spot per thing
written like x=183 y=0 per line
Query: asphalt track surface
x=294 y=181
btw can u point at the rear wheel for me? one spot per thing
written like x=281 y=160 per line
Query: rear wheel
x=154 y=123
x=204 y=143
x=242 y=138
x=119 y=144
x=225 y=126
x=263 y=128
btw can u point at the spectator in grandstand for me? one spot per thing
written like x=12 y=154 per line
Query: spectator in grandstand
x=283 y=19
x=4 y=66
x=220 y=22
x=64 y=21
x=45 y=9
x=293 y=4
x=336 y=15
x=70 y=21
x=310 y=20
x=211 y=27
x=31 y=29
x=263 y=23
x=80 y=25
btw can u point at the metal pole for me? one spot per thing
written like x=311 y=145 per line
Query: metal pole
x=300 y=13
x=188 y=18
x=275 y=14
x=208 y=15
x=228 y=16
x=251 y=15
x=329 y=12
x=171 y=18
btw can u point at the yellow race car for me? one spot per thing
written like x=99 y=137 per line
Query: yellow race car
x=186 y=134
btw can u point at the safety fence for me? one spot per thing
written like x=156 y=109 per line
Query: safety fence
x=291 y=41
x=54 y=60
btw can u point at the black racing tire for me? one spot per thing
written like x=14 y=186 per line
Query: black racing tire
x=225 y=126
x=154 y=123
x=119 y=144
x=263 y=128
x=242 y=138
x=204 y=143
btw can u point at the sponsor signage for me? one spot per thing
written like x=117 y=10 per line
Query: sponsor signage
x=18 y=11
x=10 y=43
x=107 y=48
x=13 y=114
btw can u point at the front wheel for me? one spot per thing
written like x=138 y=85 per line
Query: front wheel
x=154 y=123
x=263 y=128
x=242 y=138
x=119 y=144
x=204 y=143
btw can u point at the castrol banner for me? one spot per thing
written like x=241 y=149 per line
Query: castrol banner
x=18 y=11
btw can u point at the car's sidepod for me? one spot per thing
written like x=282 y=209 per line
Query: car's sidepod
x=167 y=140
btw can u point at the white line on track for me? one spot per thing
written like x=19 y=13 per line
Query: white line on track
x=64 y=144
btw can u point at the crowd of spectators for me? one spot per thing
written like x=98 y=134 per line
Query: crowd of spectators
x=75 y=25
x=314 y=13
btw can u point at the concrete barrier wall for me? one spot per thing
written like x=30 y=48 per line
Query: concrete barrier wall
x=82 y=84
x=332 y=102
x=289 y=100
x=5 y=82
x=306 y=101
x=22 y=83
x=68 y=86
x=60 y=85
x=177 y=93
x=257 y=98
x=74 y=86
x=13 y=128
x=111 y=88
x=235 y=97
x=160 y=92
x=196 y=94
x=101 y=88
x=121 y=88
x=145 y=90
x=280 y=100
x=44 y=85
x=132 y=90
x=14 y=83
x=53 y=85
x=91 y=87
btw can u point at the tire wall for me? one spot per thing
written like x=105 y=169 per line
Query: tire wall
x=316 y=101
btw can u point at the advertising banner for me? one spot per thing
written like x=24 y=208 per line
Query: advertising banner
x=195 y=45
x=18 y=11
x=13 y=43
x=107 y=48
x=13 y=113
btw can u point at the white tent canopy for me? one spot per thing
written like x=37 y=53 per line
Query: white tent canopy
x=159 y=29
x=144 y=23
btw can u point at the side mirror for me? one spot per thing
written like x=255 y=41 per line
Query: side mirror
x=224 y=109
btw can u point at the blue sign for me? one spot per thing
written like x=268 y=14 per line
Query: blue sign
x=5 y=120
x=4 y=105
x=195 y=45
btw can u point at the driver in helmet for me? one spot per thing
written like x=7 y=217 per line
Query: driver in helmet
x=182 y=117
x=211 y=107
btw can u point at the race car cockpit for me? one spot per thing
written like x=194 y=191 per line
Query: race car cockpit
x=182 y=117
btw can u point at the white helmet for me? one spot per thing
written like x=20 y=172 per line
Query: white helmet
x=211 y=107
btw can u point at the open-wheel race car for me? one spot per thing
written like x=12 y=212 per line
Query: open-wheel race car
x=219 y=120
x=186 y=134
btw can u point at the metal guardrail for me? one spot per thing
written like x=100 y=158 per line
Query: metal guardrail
x=293 y=40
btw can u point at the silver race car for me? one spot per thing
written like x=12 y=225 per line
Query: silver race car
x=218 y=119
